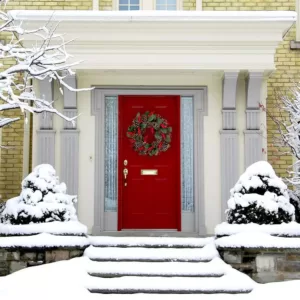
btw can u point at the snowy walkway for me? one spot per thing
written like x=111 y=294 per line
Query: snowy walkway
x=160 y=266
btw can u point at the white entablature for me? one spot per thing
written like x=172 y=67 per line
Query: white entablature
x=165 y=40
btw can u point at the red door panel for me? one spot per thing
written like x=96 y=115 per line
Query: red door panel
x=149 y=202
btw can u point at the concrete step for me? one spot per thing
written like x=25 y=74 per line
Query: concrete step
x=205 y=254
x=215 y=268
x=149 y=242
x=171 y=285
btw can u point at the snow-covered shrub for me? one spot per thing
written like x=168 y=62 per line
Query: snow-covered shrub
x=260 y=197
x=43 y=199
x=295 y=201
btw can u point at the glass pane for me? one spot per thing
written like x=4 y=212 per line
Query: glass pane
x=136 y=2
x=124 y=2
x=171 y=7
x=171 y=2
x=111 y=146
x=123 y=7
x=161 y=2
x=160 y=7
x=187 y=154
x=134 y=7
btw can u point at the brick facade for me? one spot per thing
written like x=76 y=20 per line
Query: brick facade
x=248 y=4
x=189 y=4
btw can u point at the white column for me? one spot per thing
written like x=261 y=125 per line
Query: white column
x=199 y=4
x=229 y=139
x=253 y=134
x=46 y=134
x=95 y=4
x=70 y=140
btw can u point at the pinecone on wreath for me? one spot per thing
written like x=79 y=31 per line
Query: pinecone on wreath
x=144 y=118
x=164 y=147
x=135 y=122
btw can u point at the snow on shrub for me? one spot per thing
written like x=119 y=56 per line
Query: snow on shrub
x=43 y=199
x=295 y=201
x=260 y=197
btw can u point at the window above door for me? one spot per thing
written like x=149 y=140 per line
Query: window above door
x=125 y=5
x=129 y=4
x=166 y=5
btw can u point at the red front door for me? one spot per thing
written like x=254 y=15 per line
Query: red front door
x=149 y=201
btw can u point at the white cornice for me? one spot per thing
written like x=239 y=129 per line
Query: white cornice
x=155 y=16
x=180 y=40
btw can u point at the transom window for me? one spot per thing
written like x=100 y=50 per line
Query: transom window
x=129 y=4
x=166 y=4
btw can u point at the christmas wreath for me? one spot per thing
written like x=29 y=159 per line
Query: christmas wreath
x=146 y=126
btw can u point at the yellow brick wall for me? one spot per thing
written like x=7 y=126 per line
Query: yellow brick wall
x=11 y=161
x=248 y=4
x=105 y=5
x=53 y=5
x=189 y=4
x=287 y=69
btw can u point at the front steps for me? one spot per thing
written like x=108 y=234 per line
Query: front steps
x=160 y=266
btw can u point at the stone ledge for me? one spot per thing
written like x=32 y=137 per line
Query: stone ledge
x=264 y=265
x=15 y=259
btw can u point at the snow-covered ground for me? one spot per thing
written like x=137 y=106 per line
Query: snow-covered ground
x=257 y=240
x=59 y=228
x=284 y=229
x=43 y=240
x=67 y=280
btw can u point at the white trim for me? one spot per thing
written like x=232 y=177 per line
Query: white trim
x=96 y=4
x=198 y=4
x=155 y=16
x=102 y=219
x=167 y=40
x=298 y=20
x=26 y=146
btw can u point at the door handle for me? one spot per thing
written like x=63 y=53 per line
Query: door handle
x=125 y=172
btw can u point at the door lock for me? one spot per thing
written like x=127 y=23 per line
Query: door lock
x=125 y=162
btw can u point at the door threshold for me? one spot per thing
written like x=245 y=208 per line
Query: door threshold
x=149 y=233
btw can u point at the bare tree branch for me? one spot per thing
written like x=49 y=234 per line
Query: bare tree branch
x=48 y=59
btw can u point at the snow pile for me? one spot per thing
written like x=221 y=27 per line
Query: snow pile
x=43 y=240
x=260 y=197
x=58 y=228
x=43 y=199
x=286 y=229
x=257 y=240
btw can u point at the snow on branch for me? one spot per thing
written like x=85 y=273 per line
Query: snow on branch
x=46 y=60
x=287 y=121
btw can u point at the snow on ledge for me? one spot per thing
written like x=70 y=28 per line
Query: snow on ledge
x=284 y=229
x=58 y=228
x=43 y=240
x=257 y=240
x=150 y=16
